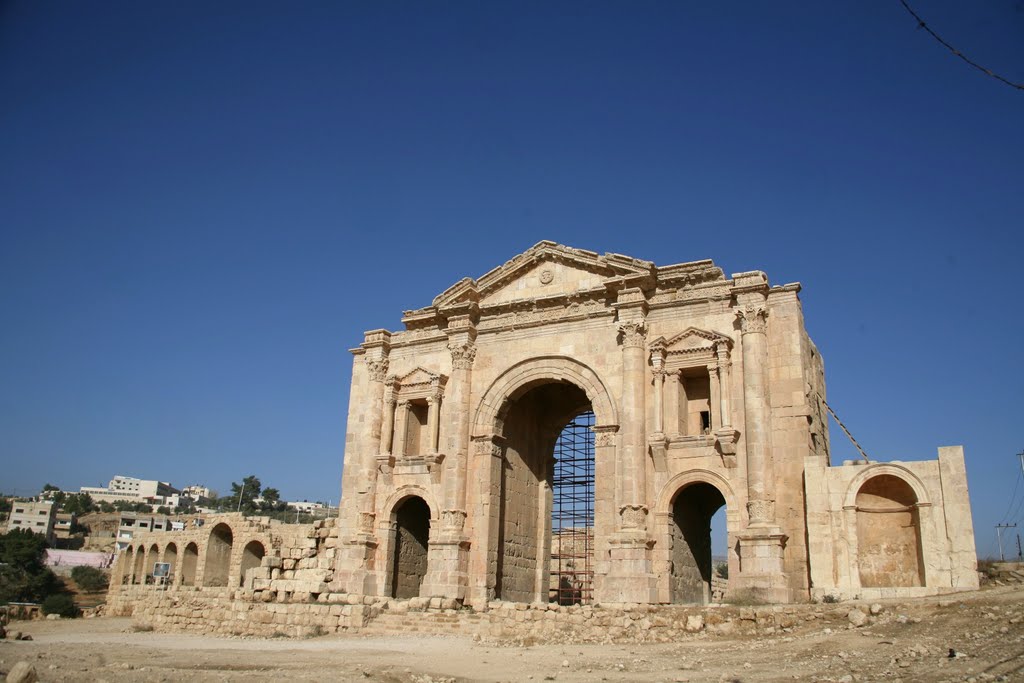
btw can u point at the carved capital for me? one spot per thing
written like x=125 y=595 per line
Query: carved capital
x=366 y=520
x=633 y=334
x=753 y=319
x=462 y=355
x=633 y=516
x=761 y=511
x=377 y=369
x=604 y=435
x=453 y=520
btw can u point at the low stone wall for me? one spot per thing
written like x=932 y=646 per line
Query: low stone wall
x=236 y=613
x=230 y=613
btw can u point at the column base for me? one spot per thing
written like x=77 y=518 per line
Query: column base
x=356 y=573
x=447 y=570
x=761 y=577
x=630 y=575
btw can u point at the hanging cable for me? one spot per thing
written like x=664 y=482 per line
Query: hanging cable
x=961 y=55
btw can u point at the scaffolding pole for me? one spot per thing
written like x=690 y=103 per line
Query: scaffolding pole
x=572 y=514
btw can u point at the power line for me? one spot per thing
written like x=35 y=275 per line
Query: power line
x=1013 y=498
x=961 y=55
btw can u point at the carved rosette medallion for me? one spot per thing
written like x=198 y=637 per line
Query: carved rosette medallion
x=377 y=369
x=453 y=520
x=463 y=355
x=761 y=510
x=546 y=277
x=633 y=516
x=753 y=319
x=633 y=334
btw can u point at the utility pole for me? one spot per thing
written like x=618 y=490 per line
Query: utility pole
x=1020 y=555
x=242 y=490
x=999 y=535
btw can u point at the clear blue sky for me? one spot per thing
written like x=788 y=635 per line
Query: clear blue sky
x=203 y=205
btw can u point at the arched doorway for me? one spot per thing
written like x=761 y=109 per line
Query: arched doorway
x=171 y=558
x=888 y=534
x=139 y=575
x=218 y=557
x=412 y=536
x=252 y=556
x=534 y=420
x=692 y=558
x=189 y=560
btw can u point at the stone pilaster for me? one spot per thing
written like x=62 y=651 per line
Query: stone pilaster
x=447 y=571
x=359 y=545
x=762 y=543
x=630 y=574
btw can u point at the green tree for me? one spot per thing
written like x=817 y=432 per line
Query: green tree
x=23 y=578
x=90 y=578
x=60 y=603
x=50 y=487
x=244 y=493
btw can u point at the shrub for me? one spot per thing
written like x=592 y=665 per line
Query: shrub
x=90 y=578
x=722 y=569
x=60 y=603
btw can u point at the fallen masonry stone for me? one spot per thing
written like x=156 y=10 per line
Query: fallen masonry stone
x=22 y=672
x=875 y=609
x=857 y=618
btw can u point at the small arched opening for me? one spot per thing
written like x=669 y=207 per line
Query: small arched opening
x=252 y=557
x=151 y=559
x=218 y=557
x=693 y=561
x=888 y=534
x=412 y=536
x=126 y=565
x=171 y=560
x=139 y=575
x=189 y=560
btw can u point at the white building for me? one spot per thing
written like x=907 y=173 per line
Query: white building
x=37 y=517
x=132 y=490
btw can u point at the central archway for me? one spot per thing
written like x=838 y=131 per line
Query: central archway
x=519 y=420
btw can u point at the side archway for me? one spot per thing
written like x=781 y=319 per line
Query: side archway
x=218 y=557
x=252 y=557
x=189 y=561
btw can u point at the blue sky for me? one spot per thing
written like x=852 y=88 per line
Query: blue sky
x=203 y=205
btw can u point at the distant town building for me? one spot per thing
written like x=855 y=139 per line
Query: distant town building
x=197 y=492
x=132 y=490
x=36 y=517
x=63 y=524
x=133 y=522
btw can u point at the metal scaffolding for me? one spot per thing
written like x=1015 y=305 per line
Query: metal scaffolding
x=572 y=514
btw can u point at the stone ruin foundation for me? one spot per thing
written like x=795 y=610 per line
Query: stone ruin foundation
x=549 y=444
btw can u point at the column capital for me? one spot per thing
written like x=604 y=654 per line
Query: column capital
x=761 y=511
x=753 y=319
x=463 y=355
x=634 y=333
x=377 y=368
x=633 y=516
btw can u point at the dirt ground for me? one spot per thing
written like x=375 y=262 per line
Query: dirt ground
x=909 y=641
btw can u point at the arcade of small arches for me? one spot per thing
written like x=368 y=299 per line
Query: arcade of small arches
x=219 y=560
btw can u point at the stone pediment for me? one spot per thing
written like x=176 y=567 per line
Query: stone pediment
x=549 y=269
x=420 y=378
x=692 y=343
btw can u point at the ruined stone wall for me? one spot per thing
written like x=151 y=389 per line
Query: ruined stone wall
x=871 y=525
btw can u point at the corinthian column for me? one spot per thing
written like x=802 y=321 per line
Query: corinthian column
x=633 y=506
x=753 y=326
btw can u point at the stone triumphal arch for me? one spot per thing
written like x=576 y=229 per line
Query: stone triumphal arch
x=699 y=391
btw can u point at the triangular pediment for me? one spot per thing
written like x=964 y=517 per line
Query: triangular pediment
x=547 y=269
x=690 y=339
x=420 y=376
